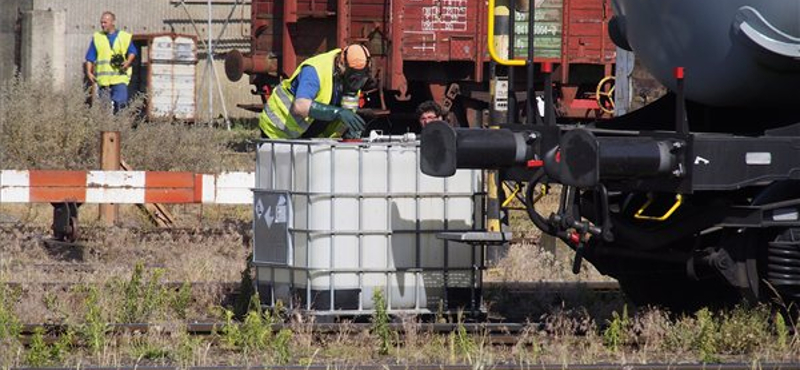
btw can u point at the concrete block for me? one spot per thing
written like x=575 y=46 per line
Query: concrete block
x=43 y=45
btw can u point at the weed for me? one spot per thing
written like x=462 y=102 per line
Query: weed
x=380 y=323
x=528 y=338
x=10 y=326
x=281 y=346
x=252 y=335
x=440 y=317
x=614 y=334
x=705 y=338
x=140 y=301
x=142 y=347
x=61 y=346
x=39 y=352
x=187 y=348
x=464 y=344
x=742 y=330
x=95 y=327
x=180 y=301
x=256 y=329
x=231 y=333
x=782 y=331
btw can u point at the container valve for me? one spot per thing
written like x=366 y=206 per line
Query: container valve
x=377 y=136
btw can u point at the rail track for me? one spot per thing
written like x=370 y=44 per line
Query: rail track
x=612 y=366
x=499 y=333
x=230 y=290
x=87 y=234
x=496 y=333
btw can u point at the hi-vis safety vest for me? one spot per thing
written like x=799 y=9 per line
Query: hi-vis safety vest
x=276 y=120
x=107 y=75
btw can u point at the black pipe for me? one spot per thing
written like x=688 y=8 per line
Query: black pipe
x=634 y=157
x=533 y=112
x=445 y=149
x=511 y=116
x=583 y=160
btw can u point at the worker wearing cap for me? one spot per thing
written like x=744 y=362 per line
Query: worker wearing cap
x=308 y=104
x=109 y=59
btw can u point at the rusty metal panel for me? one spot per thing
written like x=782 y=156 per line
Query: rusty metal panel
x=587 y=39
x=462 y=48
x=548 y=30
x=429 y=27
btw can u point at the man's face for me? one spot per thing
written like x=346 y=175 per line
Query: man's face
x=107 y=23
x=428 y=117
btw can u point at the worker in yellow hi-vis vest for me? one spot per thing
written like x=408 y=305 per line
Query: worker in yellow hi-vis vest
x=320 y=98
x=108 y=61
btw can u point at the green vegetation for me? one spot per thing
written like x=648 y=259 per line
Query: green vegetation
x=380 y=324
x=614 y=336
x=41 y=353
x=141 y=301
x=10 y=327
x=644 y=336
x=94 y=329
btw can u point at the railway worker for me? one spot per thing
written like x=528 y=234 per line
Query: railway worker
x=109 y=59
x=428 y=112
x=319 y=97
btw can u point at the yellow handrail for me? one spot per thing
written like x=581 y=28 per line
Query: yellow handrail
x=492 y=51
x=640 y=216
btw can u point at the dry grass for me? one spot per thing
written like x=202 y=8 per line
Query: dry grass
x=530 y=262
x=45 y=129
x=106 y=255
x=537 y=259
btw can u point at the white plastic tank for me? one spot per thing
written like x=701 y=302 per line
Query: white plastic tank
x=172 y=84
x=335 y=221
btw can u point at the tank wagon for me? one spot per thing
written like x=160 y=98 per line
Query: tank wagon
x=427 y=49
x=694 y=199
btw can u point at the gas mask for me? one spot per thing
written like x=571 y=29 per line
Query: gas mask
x=354 y=79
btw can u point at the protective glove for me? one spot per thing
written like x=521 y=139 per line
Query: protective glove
x=355 y=124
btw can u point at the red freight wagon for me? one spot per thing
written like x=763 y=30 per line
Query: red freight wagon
x=425 y=48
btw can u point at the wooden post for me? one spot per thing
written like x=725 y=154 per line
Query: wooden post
x=109 y=161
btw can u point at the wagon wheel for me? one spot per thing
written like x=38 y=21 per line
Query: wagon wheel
x=604 y=94
x=657 y=280
x=73 y=234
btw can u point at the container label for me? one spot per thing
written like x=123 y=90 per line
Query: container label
x=272 y=215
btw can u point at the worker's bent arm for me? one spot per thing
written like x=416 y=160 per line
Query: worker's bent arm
x=301 y=107
x=90 y=71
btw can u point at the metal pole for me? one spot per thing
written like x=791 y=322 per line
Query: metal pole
x=210 y=66
x=533 y=112
x=511 y=116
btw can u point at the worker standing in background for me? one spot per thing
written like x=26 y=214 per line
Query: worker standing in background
x=320 y=94
x=109 y=59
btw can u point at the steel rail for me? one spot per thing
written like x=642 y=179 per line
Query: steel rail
x=203 y=328
x=231 y=289
x=378 y=366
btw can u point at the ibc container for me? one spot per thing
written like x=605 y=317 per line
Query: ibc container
x=335 y=221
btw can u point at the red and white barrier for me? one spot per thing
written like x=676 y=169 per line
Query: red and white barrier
x=135 y=187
